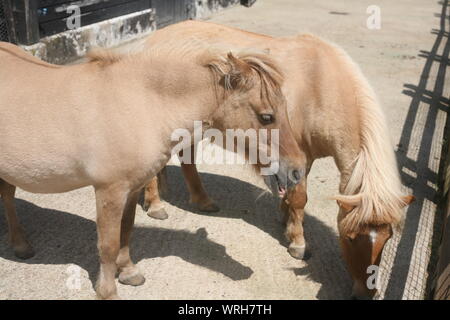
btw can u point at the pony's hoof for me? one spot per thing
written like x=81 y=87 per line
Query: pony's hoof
x=209 y=207
x=298 y=252
x=24 y=253
x=131 y=279
x=111 y=297
x=159 y=214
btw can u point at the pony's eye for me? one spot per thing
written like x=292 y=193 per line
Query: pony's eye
x=266 y=118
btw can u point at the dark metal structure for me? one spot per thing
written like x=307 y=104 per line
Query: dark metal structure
x=27 y=21
x=4 y=36
x=248 y=3
x=173 y=11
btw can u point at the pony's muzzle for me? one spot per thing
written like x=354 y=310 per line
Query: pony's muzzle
x=295 y=176
x=287 y=177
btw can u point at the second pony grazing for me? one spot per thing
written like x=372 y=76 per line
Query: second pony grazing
x=108 y=124
x=333 y=112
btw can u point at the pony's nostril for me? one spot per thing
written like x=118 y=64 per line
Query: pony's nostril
x=296 y=175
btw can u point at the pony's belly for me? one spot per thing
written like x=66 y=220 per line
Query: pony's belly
x=54 y=184
x=40 y=175
x=49 y=187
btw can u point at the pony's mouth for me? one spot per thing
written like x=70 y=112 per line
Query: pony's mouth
x=285 y=179
x=281 y=189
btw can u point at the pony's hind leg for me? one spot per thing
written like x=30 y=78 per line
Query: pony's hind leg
x=21 y=247
x=111 y=202
x=152 y=201
x=128 y=272
x=293 y=206
x=199 y=196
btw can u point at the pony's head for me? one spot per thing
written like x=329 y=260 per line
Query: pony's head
x=364 y=229
x=253 y=106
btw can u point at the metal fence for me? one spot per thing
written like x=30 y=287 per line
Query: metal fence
x=3 y=27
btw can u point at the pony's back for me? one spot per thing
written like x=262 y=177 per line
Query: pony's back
x=10 y=53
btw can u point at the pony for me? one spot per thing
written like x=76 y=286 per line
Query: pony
x=107 y=123
x=333 y=112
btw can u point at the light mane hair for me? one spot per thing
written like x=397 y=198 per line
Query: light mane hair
x=213 y=56
x=265 y=67
x=374 y=186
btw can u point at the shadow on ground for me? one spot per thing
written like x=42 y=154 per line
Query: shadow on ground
x=417 y=175
x=63 y=238
x=71 y=239
x=241 y=200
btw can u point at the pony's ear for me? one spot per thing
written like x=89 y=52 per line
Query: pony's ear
x=407 y=200
x=238 y=65
x=347 y=203
x=345 y=206
x=239 y=76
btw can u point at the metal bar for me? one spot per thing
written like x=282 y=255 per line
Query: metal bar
x=10 y=23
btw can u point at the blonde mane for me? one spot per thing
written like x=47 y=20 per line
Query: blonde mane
x=216 y=57
x=269 y=73
x=374 y=186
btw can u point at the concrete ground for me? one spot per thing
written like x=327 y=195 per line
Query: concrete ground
x=240 y=252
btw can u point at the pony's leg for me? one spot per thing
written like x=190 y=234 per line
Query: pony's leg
x=199 y=196
x=293 y=206
x=128 y=272
x=111 y=202
x=21 y=247
x=152 y=201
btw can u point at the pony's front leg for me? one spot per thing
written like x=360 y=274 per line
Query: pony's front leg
x=21 y=247
x=293 y=206
x=128 y=272
x=152 y=201
x=111 y=202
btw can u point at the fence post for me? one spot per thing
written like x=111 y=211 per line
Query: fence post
x=24 y=18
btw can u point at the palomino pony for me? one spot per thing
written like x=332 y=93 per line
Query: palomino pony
x=333 y=112
x=108 y=124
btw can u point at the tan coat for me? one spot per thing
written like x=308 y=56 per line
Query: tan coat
x=108 y=124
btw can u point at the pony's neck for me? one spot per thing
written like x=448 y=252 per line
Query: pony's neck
x=182 y=90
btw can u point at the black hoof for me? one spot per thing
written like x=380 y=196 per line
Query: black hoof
x=211 y=207
x=24 y=254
